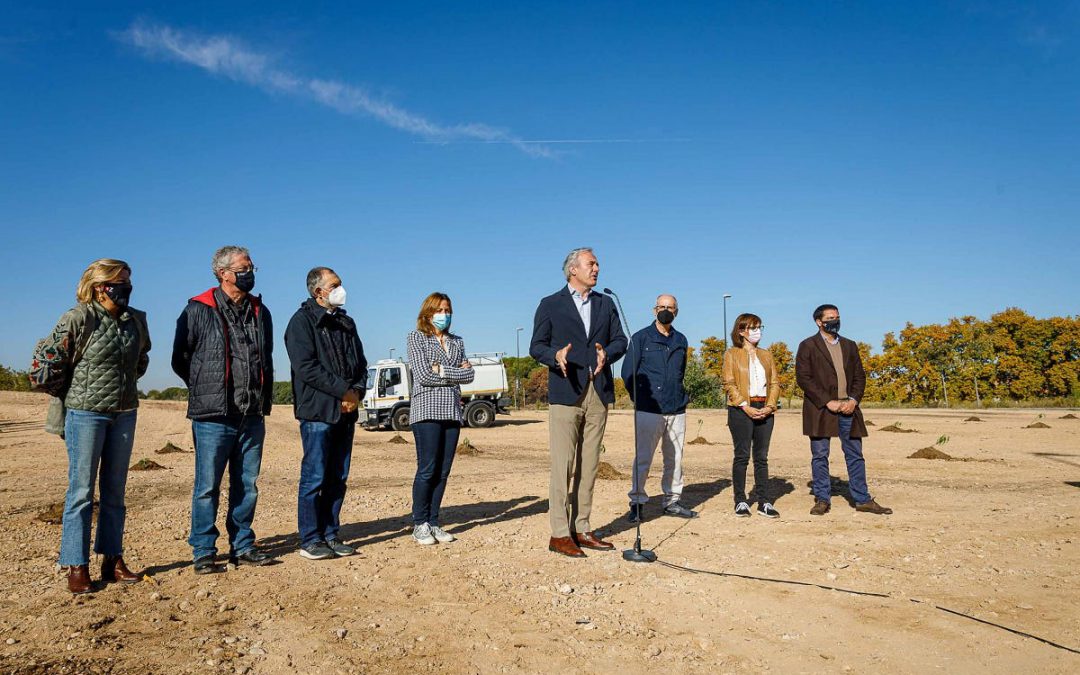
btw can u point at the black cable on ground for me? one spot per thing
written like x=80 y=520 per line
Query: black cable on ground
x=1014 y=631
x=775 y=581
x=998 y=625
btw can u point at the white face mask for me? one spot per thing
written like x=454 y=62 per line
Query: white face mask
x=336 y=297
x=754 y=335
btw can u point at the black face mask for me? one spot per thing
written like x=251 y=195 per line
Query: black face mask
x=665 y=316
x=119 y=294
x=245 y=281
x=831 y=327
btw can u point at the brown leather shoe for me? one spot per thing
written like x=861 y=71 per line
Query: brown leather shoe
x=79 y=579
x=565 y=546
x=821 y=507
x=873 y=507
x=114 y=569
x=591 y=541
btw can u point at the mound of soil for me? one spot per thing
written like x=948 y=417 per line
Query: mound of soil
x=146 y=465
x=169 y=448
x=1038 y=425
x=607 y=472
x=53 y=514
x=898 y=430
x=1069 y=416
x=869 y=423
x=700 y=440
x=973 y=419
x=398 y=440
x=930 y=453
x=467 y=448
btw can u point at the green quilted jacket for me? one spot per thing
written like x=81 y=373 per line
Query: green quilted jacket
x=113 y=357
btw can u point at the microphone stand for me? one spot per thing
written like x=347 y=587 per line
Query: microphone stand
x=636 y=554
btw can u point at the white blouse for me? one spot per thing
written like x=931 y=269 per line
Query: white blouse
x=759 y=385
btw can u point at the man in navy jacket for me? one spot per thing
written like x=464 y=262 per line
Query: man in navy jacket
x=329 y=373
x=653 y=371
x=577 y=335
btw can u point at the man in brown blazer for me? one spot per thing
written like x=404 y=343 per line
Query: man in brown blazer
x=830 y=372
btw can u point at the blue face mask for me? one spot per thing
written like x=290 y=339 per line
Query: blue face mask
x=441 y=321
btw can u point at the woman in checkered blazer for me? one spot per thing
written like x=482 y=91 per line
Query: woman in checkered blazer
x=438 y=364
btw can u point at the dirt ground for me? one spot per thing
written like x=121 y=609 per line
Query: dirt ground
x=995 y=539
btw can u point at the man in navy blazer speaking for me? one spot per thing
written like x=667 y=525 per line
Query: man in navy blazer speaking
x=577 y=335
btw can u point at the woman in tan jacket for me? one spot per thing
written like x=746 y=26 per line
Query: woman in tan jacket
x=752 y=388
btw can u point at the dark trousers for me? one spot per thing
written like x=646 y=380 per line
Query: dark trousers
x=436 y=443
x=750 y=437
x=323 y=475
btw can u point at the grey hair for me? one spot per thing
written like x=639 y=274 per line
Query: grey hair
x=224 y=255
x=572 y=258
x=314 y=278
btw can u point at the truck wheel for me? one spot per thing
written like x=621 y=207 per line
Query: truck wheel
x=479 y=415
x=399 y=419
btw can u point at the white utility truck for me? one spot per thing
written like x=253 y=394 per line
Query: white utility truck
x=390 y=381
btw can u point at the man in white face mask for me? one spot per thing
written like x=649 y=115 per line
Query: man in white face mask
x=329 y=373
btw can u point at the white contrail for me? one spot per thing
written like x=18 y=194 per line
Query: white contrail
x=226 y=57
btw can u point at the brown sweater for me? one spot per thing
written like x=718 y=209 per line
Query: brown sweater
x=838 y=362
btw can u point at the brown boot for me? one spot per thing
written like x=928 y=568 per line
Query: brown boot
x=79 y=579
x=114 y=569
x=565 y=546
x=821 y=507
x=873 y=507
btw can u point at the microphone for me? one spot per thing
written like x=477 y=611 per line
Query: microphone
x=635 y=554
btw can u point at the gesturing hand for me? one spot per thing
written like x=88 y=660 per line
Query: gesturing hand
x=560 y=358
x=601 y=359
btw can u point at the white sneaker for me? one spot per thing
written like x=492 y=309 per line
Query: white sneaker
x=422 y=534
x=441 y=535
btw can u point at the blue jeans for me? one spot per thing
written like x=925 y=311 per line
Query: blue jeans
x=856 y=467
x=237 y=441
x=99 y=449
x=323 y=474
x=436 y=443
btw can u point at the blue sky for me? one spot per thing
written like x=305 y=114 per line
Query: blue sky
x=906 y=161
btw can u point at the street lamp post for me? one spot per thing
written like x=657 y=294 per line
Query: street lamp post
x=517 y=370
x=726 y=343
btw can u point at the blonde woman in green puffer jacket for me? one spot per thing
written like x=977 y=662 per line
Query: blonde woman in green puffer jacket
x=91 y=362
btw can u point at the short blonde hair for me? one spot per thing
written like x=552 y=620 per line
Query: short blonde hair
x=428 y=309
x=99 y=272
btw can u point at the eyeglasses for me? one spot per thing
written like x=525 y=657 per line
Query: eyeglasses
x=670 y=308
x=252 y=269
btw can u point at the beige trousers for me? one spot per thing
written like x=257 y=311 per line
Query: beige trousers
x=576 y=432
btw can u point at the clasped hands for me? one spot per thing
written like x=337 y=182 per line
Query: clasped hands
x=846 y=407
x=350 y=401
x=757 y=413
x=601 y=358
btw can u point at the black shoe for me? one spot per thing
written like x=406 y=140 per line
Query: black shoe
x=635 y=515
x=766 y=509
x=205 y=565
x=742 y=510
x=679 y=511
x=317 y=551
x=252 y=556
x=340 y=549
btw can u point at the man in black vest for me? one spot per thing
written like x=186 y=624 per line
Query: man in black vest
x=329 y=375
x=223 y=351
x=577 y=335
